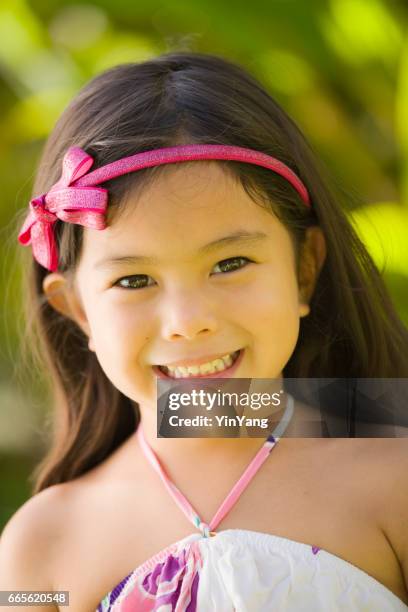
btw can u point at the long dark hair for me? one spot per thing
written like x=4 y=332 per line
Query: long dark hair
x=180 y=98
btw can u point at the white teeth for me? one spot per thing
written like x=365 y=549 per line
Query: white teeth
x=217 y=365
x=206 y=368
x=193 y=370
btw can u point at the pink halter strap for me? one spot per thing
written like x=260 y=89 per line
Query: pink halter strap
x=207 y=529
x=76 y=198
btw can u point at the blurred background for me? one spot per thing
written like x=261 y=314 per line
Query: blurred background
x=339 y=67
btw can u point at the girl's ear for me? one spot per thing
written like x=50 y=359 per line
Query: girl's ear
x=63 y=297
x=311 y=259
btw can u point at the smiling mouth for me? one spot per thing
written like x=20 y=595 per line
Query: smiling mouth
x=209 y=368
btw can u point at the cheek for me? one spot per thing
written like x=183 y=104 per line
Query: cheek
x=120 y=335
x=270 y=299
x=269 y=311
x=275 y=322
x=119 y=331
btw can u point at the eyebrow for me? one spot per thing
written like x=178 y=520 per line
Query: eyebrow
x=237 y=238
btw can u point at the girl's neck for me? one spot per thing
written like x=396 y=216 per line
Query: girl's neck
x=176 y=451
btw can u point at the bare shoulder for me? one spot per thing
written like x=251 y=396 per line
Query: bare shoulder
x=373 y=451
x=29 y=541
x=388 y=457
x=393 y=482
x=384 y=463
x=376 y=469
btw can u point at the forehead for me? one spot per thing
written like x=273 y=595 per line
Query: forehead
x=185 y=206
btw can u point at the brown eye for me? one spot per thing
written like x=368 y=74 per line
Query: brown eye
x=136 y=281
x=232 y=264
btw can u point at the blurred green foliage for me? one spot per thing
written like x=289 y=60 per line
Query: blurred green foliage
x=14 y=487
x=339 y=67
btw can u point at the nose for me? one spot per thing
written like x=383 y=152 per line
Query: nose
x=187 y=316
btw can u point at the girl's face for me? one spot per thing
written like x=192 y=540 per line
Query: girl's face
x=193 y=270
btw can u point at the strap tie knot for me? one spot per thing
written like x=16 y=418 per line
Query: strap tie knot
x=205 y=529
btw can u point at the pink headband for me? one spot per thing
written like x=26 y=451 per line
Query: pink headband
x=75 y=198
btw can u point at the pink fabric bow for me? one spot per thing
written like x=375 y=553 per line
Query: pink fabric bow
x=82 y=205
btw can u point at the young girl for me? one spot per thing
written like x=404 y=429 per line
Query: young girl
x=181 y=228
